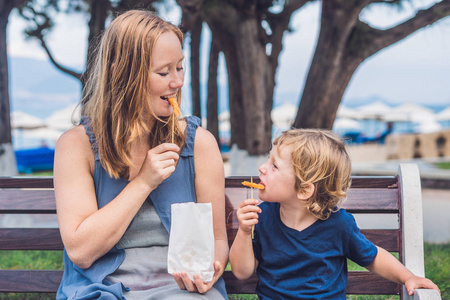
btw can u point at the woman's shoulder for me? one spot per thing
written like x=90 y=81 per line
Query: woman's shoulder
x=204 y=137
x=74 y=141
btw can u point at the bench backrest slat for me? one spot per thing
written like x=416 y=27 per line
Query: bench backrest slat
x=15 y=201
x=41 y=281
x=30 y=239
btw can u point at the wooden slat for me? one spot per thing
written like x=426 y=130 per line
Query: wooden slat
x=357 y=181
x=371 y=201
x=385 y=238
x=360 y=282
x=30 y=239
x=374 y=182
x=235 y=286
x=27 y=201
x=26 y=182
x=367 y=283
x=42 y=281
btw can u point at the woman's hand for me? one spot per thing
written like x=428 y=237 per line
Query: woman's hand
x=159 y=164
x=197 y=286
x=247 y=214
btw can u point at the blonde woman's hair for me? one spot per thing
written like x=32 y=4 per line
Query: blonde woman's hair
x=115 y=97
x=319 y=157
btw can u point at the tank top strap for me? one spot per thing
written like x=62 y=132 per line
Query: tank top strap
x=86 y=122
x=193 y=123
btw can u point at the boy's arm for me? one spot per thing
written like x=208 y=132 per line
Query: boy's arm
x=387 y=266
x=242 y=258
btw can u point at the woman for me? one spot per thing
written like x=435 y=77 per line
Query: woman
x=117 y=173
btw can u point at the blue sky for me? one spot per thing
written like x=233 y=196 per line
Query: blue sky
x=416 y=69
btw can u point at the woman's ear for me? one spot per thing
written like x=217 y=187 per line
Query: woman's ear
x=307 y=192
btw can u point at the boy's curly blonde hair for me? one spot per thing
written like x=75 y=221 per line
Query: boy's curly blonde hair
x=319 y=157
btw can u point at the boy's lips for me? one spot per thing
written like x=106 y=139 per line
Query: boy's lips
x=262 y=182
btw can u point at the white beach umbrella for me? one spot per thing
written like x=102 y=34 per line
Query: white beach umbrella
x=414 y=112
x=346 y=123
x=23 y=120
x=428 y=126
x=284 y=115
x=443 y=115
x=346 y=112
x=224 y=116
x=373 y=110
x=224 y=126
x=43 y=134
x=62 y=119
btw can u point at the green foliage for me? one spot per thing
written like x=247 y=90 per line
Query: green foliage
x=39 y=260
x=437 y=266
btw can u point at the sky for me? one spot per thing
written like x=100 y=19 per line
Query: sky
x=416 y=69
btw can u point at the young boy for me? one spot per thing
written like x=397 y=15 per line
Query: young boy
x=301 y=238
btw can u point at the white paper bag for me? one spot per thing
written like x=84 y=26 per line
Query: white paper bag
x=191 y=242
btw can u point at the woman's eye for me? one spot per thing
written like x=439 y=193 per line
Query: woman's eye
x=163 y=74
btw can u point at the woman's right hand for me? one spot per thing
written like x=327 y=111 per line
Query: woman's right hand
x=247 y=214
x=159 y=164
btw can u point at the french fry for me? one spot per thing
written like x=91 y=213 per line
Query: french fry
x=174 y=103
x=253 y=185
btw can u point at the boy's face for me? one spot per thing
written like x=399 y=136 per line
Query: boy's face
x=277 y=175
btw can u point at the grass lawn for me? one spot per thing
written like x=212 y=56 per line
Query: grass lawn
x=443 y=165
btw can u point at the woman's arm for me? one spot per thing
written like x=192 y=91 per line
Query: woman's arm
x=209 y=188
x=88 y=232
x=387 y=266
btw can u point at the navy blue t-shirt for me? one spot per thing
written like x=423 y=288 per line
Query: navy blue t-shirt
x=307 y=264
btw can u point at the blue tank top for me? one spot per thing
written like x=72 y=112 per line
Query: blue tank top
x=91 y=283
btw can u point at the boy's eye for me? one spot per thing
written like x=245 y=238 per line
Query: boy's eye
x=180 y=69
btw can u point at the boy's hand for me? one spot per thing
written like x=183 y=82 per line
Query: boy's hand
x=197 y=286
x=416 y=282
x=247 y=214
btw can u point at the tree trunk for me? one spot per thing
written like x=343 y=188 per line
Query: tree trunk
x=212 y=110
x=249 y=70
x=196 y=34
x=7 y=159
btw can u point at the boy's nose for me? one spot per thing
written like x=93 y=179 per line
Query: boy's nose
x=261 y=169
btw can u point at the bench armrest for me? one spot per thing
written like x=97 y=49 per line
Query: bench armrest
x=425 y=294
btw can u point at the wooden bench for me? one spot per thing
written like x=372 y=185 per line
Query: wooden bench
x=399 y=196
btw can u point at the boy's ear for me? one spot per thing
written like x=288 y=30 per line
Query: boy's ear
x=307 y=192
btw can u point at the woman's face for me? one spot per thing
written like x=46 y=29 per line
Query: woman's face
x=167 y=74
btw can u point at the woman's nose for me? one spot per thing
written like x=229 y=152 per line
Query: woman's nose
x=177 y=81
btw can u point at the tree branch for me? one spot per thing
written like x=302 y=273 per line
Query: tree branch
x=279 y=23
x=423 y=18
x=58 y=65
